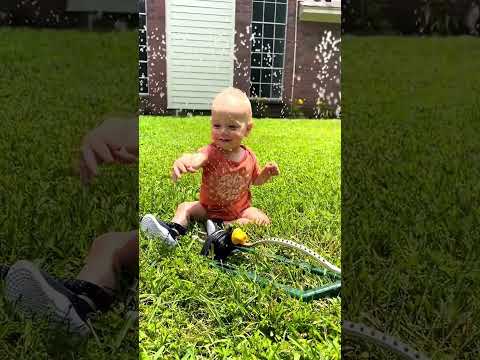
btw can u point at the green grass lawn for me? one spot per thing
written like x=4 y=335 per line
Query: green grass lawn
x=55 y=86
x=410 y=192
x=189 y=310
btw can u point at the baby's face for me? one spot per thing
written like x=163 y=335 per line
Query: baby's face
x=229 y=129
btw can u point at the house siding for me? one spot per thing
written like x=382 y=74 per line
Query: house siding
x=200 y=47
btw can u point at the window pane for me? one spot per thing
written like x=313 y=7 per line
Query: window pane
x=143 y=86
x=265 y=90
x=142 y=21
x=255 y=75
x=142 y=37
x=141 y=6
x=257 y=45
x=267 y=45
x=143 y=53
x=268 y=30
x=257 y=29
x=277 y=76
x=278 y=60
x=255 y=90
x=257 y=11
x=267 y=60
x=279 y=46
x=256 y=59
x=276 y=90
x=280 y=31
x=269 y=15
x=266 y=75
x=280 y=15
x=267 y=48
x=142 y=69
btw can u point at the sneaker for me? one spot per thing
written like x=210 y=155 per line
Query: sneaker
x=158 y=229
x=35 y=293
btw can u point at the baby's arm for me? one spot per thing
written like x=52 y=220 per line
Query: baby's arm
x=188 y=163
x=270 y=170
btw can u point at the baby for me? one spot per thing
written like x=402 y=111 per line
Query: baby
x=229 y=169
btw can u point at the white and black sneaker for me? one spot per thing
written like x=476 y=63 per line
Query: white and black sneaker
x=159 y=229
x=37 y=294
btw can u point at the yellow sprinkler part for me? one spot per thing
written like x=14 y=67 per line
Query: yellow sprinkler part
x=239 y=237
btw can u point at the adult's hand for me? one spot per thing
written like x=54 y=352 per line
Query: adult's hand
x=114 y=141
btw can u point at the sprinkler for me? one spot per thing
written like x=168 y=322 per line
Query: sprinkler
x=224 y=242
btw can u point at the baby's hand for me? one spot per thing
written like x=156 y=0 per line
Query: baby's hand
x=181 y=166
x=271 y=168
x=187 y=163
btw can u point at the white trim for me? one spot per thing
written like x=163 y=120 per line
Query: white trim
x=269 y=23
x=294 y=54
x=336 y=4
x=167 y=44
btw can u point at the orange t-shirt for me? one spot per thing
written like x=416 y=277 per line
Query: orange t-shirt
x=225 y=190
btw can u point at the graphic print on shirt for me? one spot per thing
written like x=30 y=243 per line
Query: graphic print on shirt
x=226 y=188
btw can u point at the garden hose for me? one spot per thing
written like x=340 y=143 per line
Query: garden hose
x=293 y=245
x=388 y=342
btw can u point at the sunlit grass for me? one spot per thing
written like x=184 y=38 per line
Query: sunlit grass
x=191 y=310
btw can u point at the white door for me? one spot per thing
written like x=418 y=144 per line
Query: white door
x=200 y=43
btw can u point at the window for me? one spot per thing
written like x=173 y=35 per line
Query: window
x=268 y=48
x=142 y=48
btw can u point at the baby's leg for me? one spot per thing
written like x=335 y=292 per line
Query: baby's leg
x=251 y=215
x=188 y=211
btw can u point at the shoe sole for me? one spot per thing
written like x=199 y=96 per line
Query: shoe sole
x=32 y=295
x=152 y=227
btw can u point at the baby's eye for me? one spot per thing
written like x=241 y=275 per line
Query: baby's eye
x=233 y=127
x=216 y=126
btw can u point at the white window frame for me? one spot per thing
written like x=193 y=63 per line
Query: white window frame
x=272 y=68
x=146 y=51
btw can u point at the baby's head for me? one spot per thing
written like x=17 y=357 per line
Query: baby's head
x=231 y=118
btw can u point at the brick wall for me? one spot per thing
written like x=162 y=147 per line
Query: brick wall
x=243 y=17
x=309 y=82
x=317 y=75
x=156 y=101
